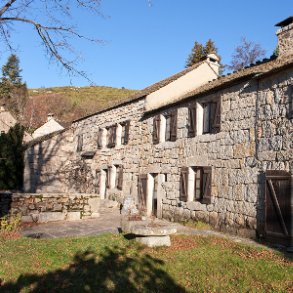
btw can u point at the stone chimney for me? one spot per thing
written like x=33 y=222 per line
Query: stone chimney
x=2 y=108
x=285 y=36
x=213 y=59
x=50 y=116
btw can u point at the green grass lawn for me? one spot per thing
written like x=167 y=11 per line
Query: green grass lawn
x=110 y=263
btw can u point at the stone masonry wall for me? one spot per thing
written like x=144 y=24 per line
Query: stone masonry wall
x=256 y=135
x=47 y=207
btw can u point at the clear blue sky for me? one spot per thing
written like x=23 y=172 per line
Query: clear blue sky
x=144 y=44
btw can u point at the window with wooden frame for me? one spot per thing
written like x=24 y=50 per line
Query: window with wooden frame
x=191 y=123
x=125 y=132
x=200 y=179
x=290 y=96
x=156 y=129
x=111 y=136
x=100 y=138
x=211 y=117
x=142 y=190
x=119 y=177
x=79 y=143
x=98 y=180
x=108 y=176
x=171 y=126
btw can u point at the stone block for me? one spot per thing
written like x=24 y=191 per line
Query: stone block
x=73 y=216
x=94 y=203
x=50 y=217
x=154 y=241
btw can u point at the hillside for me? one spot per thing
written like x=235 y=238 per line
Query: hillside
x=68 y=103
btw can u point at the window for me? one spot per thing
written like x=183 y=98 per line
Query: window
x=156 y=129
x=79 y=143
x=195 y=184
x=191 y=123
x=100 y=138
x=125 y=132
x=165 y=127
x=119 y=177
x=111 y=136
x=211 y=117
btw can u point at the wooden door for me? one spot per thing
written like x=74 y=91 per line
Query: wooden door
x=142 y=191
x=278 y=213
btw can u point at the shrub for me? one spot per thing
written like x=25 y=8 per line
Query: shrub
x=10 y=227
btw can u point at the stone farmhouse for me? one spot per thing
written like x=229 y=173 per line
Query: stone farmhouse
x=193 y=146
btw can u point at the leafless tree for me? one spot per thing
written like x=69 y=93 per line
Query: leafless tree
x=245 y=54
x=52 y=21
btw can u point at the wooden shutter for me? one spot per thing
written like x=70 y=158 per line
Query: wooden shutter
x=79 y=142
x=142 y=190
x=108 y=176
x=156 y=129
x=183 y=183
x=126 y=132
x=174 y=125
x=216 y=116
x=120 y=177
x=100 y=133
x=278 y=226
x=290 y=97
x=113 y=136
x=206 y=184
x=192 y=121
x=98 y=180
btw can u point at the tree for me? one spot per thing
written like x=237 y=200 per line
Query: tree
x=51 y=20
x=13 y=92
x=11 y=71
x=11 y=158
x=199 y=52
x=245 y=54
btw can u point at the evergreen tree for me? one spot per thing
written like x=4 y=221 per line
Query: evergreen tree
x=196 y=55
x=200 y=52
x=13 y=92
x=11 y=158
x=210 y=47
x=11 y=71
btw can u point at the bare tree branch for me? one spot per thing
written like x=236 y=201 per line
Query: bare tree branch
x=50 y=19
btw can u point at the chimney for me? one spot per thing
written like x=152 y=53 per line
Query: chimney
x=50 y=116
x=2 y=108
x=213 y=59
x=285 y=36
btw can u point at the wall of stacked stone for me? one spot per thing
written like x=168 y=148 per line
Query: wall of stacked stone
x=50 y=165
x=47 y=207
x=256 y=135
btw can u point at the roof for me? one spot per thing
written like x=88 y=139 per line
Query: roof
x=285 y=22
x=7 y=121
x=260 y=69
x=146 y=91
x=50 y=126
x=44 y=137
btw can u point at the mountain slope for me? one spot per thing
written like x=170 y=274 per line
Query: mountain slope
x=68 y=103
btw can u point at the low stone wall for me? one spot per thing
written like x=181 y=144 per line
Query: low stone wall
x=48 y=207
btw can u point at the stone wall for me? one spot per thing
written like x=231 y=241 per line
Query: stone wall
x=47 y=207
x=256 y=135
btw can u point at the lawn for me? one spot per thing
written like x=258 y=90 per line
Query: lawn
x=110 y=263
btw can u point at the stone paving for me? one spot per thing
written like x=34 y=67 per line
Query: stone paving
x=109 y=221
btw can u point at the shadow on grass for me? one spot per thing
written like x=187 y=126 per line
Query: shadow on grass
x=111 y=271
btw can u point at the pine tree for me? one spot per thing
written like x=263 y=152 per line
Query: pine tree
x=13 y=92
x=199 y=52
x=196 y=55
x=11 y=71
x=210 y=47
x=11 y=158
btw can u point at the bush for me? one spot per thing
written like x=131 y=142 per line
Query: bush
x=10 y=227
